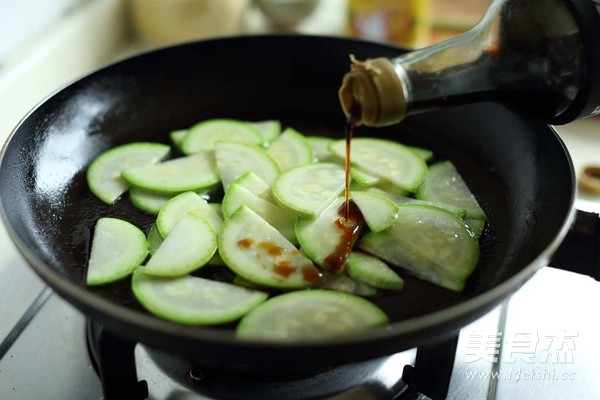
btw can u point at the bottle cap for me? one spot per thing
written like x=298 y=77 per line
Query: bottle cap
x=372 y=93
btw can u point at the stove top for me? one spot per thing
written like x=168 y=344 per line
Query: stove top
x=542 y=343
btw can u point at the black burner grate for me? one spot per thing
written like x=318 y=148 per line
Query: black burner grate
x=385 y=378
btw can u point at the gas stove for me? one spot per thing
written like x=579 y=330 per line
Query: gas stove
x=540 y=343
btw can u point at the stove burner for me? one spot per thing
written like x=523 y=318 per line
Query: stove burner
x=114 y=362
x=377 y=379
x=385 y=378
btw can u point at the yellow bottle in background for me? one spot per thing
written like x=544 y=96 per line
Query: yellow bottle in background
x=404 y=22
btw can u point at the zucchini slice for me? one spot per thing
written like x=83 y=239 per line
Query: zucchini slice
x=236 y=159
x=425 y=154
x=203 y=136
x=476 y=226
x=346 y=284
x=280 y=219
x=177 y=137
x=154 y=239
x=378 y=211
x=260 y=254
x=118 y=247
x=309 y=315
x=444 y=185
x=189 y=246
x=308 y=189
x=269 y=129
x=372 y=271
x=104 y=173
x=429 y=242
x=401 y=200
x=362 y=178
x=322 y=238
x=149 y=202
x=256 y=185
x=178 y=206
x=193 y=301
x=174 y=176
x=320 y=145
x=385 y=159
x=291 y=149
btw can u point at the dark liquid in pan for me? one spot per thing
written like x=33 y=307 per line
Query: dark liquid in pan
x=349 y=222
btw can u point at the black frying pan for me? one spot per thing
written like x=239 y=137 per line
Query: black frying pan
x=518 y=168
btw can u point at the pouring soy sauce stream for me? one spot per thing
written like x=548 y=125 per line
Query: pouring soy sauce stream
x=350 y=219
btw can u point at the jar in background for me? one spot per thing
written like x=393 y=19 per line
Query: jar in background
x=404 y=22
x=161 y=22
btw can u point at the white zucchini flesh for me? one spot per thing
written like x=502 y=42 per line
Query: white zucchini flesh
x=385 y=159
x=319 y=237
x=321 y=150
x=387 y=247
x=192 y=300
x=444 y=185
x=189 y=246
x=439 y=236
x=178 y=206
x=401 y=200
x=118 y=247
x=104 y=173
x=291 y=149
x=372 y=271
x=280 y=219
x=346 y=284
x=429 y=242
x=176 y=175
x=269 y=129
x=378 y=211
x=310 y=315
x=236 y=159
x=257 y=252
x=203 y=136
x=217 y=207
x=256 y=185
x=308 y=189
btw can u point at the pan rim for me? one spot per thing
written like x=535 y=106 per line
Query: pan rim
x=78 y=295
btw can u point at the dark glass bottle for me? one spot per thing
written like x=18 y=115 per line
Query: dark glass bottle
x=540 y=57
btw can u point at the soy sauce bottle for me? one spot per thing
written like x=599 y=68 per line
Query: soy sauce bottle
x=539 y=57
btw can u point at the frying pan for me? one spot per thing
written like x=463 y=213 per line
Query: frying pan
x=518 y=168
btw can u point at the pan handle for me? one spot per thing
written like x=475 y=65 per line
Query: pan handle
x=580 y=250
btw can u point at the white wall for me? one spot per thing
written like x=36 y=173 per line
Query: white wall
x=23 y=19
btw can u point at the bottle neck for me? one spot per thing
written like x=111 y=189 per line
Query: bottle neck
x=525 y=54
